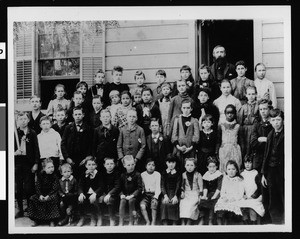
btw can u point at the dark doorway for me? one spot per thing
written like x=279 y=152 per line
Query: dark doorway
x=235 y=35
x=48 y=86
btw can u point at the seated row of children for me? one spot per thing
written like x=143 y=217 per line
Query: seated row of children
x=215 y=198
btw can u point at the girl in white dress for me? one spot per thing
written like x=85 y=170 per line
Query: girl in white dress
x=228 y=206
x=192 y=190
x=251 y=204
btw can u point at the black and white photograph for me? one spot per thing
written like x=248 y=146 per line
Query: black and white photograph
x=149 y=119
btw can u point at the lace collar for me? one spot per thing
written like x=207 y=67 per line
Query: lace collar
x=211 y=176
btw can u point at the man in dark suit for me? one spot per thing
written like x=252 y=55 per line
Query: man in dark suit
x=77 y=141
x=157 y=146
x=220 y=69
x=273 y=167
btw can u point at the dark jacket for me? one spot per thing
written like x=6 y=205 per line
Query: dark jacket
x=110 y=183
x=93 y=91
x=280 y=152
x=144 y=121
x=162 y=152
x=81 y=149
x=35 y=123
x=260 y=129
x=85 y=183
x=105 y=142
x=32 y=147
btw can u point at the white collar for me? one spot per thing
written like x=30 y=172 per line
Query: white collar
x=173 y=171
x=91 y=174
x=211 y=176
x=155 y=136
x=70 y=178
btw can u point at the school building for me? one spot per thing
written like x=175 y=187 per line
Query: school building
x=43 y=60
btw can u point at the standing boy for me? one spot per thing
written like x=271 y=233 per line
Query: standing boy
x=175 y=105
x=273 y=167
x=99 y=88
x=27 y=157
x=117 y=74
x=35 y=114
x=132 y=140
x=94 y=117
x=157 y=147
x=105 y=139
x=77 y=140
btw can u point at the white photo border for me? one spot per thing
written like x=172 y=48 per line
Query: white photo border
x=154 y=13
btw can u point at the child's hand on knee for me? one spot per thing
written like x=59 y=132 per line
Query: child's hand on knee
x=129 y=197
x=106 y=198
x=166 y=199
x=174 y=200
x=81 y=197
x=92 y=198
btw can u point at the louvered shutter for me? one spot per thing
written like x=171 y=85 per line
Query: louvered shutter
x=24 y=65
x=92 y=56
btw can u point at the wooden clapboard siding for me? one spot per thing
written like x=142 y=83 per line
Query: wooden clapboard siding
x=149 y=46
x=147 y=33
x=269 y=49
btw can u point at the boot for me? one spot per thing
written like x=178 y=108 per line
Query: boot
x=20 y=213
x=64 y=221
x=80 y=222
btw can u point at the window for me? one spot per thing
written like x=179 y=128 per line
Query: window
x=59 y=55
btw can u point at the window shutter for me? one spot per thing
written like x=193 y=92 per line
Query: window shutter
x=24 y=64
x=24 y=79
x=92 y=56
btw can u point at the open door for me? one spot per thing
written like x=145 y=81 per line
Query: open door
x=235 y=35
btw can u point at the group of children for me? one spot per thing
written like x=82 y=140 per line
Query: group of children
x=90 y=153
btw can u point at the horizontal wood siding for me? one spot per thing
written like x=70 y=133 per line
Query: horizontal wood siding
x=149 y=46
x=271 y=41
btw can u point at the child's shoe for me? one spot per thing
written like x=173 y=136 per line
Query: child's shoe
x=52 y=224
x=93 y=221
x=64 y=221
x=99 y=221
x=112 y=222
x=80 y=222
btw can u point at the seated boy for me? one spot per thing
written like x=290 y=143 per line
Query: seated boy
x=88 y=190
x=151 y=181
x=131 y=186
x=68 y=194
x=110 y=180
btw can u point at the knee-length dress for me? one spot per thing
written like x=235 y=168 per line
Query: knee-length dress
x=211 y=182
x=46 y=184
x=231 y=194
x=230 y=149
x=170 y=186
x=252 y=184
x=188 y=207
